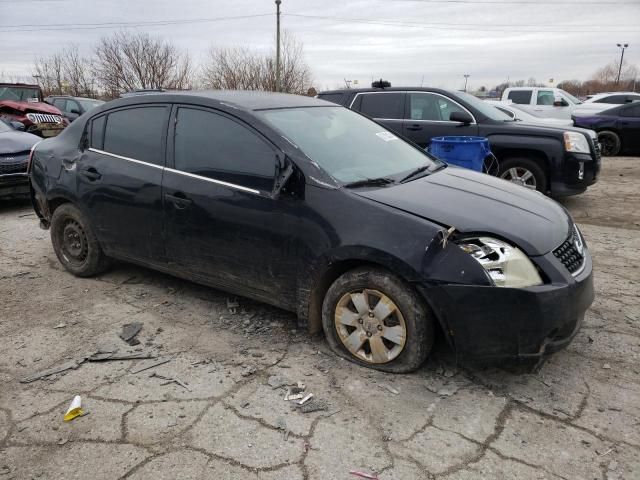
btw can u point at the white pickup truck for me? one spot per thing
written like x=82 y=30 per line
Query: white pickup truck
x=542 y=101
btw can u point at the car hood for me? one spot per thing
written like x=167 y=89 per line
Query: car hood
x=14 y=142
x=473 y=202
x=35 y=107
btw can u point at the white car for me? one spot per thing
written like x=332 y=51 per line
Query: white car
x=513 y=111
x=604 y=101
x=545 y=102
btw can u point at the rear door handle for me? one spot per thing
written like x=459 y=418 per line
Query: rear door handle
x=179 y=200
x=414 y=127
x=91 y=173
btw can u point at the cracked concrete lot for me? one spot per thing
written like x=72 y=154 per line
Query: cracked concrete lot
x=578 y=418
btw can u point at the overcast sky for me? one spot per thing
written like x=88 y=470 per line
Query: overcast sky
x=407 y=42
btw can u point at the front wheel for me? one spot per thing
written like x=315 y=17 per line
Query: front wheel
x=373 y=318
x=524 y=172
x=74 y=242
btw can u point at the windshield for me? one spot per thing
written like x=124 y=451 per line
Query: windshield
x=571 y=97
x=347 y=145
x=20 y=94
x=486 y=109
x=89 y=104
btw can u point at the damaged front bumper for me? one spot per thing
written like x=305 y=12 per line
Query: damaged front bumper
x=493 y=324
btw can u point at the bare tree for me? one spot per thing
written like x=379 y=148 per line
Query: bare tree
x=48 y=72
x=243 y=69
x=127 y=61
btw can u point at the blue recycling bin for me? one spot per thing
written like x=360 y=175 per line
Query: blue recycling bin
x=467 y=152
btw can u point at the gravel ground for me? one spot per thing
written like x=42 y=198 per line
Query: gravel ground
x=216 y=408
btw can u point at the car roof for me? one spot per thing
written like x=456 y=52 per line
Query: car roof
x=387 y=89
x=243 y=99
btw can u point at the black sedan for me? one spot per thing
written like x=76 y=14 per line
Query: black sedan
x=618 y=128
x=316 y=209
x=15 y=147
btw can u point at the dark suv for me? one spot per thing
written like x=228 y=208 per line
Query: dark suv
x=314 y=208
x=72 y=107
x=554 y=160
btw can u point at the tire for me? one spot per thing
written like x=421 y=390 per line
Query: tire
x=411 y=325
x=75 y=244
x=609 y=143
x=524 y=172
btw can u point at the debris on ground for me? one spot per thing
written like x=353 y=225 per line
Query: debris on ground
x=113 y=355
x=232 y=305
x=315 y=406
x=357 y=473
x=149 y=365
x=60 y=325
x=278 y=381
x=306 y=399
x=72 y=365
x=389 y=388
x=170 y=380
x=74 y=410
x=129 y=332
x=606 y=366
x=248 y=370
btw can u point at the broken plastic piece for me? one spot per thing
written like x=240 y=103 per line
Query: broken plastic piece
x=74 y=410
x=305 y=399
x=129 y=332
x=364 y=475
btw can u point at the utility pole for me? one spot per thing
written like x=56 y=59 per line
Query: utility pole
x=278 y=80
x=622 y=46
x=466 y=77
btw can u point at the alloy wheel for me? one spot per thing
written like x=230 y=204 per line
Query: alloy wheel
x=520 y=176
x=370 y=326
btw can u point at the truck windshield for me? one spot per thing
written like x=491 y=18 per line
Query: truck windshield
x=573 y=99
x=19 y=94
x=347 y=145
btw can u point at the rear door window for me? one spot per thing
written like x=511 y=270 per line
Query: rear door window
x=97 y=132
x=521 y=97
x=387 y=105
x=137 y=133
x=215 y=146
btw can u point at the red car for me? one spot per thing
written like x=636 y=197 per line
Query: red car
x=23 y=103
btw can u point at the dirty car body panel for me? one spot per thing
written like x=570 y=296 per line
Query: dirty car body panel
x=281 y=233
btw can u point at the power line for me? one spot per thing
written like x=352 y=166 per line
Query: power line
x=457 y=26
x=92 y=26
x=528 y=2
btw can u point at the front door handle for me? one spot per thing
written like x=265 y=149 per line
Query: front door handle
x=414 y=127
x=179 y=200
x=91 y=173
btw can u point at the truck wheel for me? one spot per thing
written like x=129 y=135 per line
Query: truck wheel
x=609 y=143
x=75 y=244
x=373 y=318
x=524 y=172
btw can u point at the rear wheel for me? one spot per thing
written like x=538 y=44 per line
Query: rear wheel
x=524 y=172
x=74 y=242
x=609 y=143
x=373 y=318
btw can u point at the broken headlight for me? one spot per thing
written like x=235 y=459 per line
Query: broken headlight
x=507 y=266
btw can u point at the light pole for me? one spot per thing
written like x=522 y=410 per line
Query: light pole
x=622 y=46
x=278 y=86
x=466 y=77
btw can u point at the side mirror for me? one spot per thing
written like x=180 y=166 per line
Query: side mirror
x=17 y=125
x=75 y=111
x=285 y=169
x=559 y=102
x=462 y=117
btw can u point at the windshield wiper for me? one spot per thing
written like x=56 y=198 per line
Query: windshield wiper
x=415 y=172
x=369 y=182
